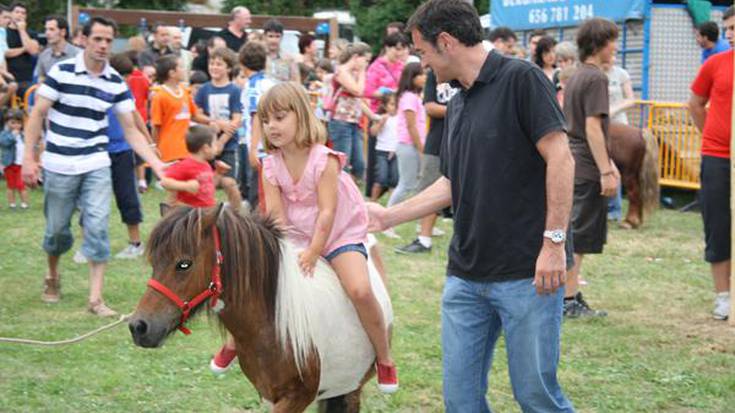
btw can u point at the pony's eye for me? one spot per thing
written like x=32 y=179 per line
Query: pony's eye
x=183 y=265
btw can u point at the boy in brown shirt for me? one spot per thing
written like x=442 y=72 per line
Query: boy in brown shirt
x=586 y=108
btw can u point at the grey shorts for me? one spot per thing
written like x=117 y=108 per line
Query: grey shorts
x=92 y=191
x=430 y=171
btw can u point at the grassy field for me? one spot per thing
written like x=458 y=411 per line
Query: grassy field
x=658 y=351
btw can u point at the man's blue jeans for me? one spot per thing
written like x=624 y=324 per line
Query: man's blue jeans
x=473 y=316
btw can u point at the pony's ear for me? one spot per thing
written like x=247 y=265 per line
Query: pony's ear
x=164 y=208
x=210 y=216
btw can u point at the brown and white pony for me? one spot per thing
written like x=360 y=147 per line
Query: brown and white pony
x=298 y=339
x=635 y=152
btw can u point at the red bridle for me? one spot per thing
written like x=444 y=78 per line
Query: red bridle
x=214 y=290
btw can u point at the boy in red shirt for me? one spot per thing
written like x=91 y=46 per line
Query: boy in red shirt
x=192 y=180
x=140 y=87
x=714 y=85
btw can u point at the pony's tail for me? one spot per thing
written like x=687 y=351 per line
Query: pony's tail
x=648 y=175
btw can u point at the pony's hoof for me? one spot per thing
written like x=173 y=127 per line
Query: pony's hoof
x=626 y=224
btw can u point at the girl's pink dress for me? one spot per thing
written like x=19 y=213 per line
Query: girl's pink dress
x=300 y=200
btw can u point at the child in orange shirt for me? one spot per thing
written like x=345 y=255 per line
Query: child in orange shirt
x=172 y=109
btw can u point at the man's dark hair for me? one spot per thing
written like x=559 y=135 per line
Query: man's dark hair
x=122 y=63
x=730 y=12
x=594 y=35
x=544 y=45
x=458 y=18
x=60 y=22
x=273 y=25
x=87 y=30
x=305 y=41
x=395 y=39
x=198 y=77
x=710 y=31
x=157 y=25
x=503 y=33
x=165 y=64
x=14 y=5
x=253 y=56
x=197 y=137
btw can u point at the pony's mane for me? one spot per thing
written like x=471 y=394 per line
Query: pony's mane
x=250 y=246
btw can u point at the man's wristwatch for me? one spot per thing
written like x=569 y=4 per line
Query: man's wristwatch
x=557 y=236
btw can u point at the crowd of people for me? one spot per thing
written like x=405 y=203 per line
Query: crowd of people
x=295 y=136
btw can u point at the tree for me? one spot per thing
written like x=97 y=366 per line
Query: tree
x=38 y=9
x=285 y=7
x=372 y=15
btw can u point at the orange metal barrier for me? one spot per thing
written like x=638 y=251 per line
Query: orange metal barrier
x=679 y=141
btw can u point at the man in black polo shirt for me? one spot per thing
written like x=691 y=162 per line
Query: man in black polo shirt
x=235 y=34
x=508 y=172
x=159 y=47
x=22 y=46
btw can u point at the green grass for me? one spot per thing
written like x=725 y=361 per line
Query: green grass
x=658 y=351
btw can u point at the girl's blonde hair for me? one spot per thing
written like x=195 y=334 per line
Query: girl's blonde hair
x=291 y=97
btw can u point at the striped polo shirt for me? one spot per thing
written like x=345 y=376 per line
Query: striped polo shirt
x=76 y=138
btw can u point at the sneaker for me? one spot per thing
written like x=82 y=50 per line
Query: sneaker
x=416 y=247
x=99 y=309
x=23 y=205
x=142 y=186
x=131 y=252
x=79 y=258
x=578 y=307
x=223 y=360
x=11 y=206
x=387 y=378
x=51 y=290
x=722 y=306
x=391 y=233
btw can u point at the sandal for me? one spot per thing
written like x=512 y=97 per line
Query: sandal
x=99 y=309
x=51 y=290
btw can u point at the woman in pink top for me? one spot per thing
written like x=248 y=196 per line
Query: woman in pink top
x=411 y=131
x=320 y=207
x=384 y=73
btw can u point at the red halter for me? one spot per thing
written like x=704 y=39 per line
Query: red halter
x=214 y=289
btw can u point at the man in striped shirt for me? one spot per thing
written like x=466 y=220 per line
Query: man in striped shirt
x=76 y=166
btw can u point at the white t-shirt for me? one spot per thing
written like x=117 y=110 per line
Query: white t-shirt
x=617 y=77
x=19 y=148
x=387 y=139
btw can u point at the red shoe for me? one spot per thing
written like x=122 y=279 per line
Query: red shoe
x=387 y=377
x=222 y=361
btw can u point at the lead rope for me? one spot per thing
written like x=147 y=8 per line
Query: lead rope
x=77 y=339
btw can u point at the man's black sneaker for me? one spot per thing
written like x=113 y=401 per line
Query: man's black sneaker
x=415 y=247
x=578 y=307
